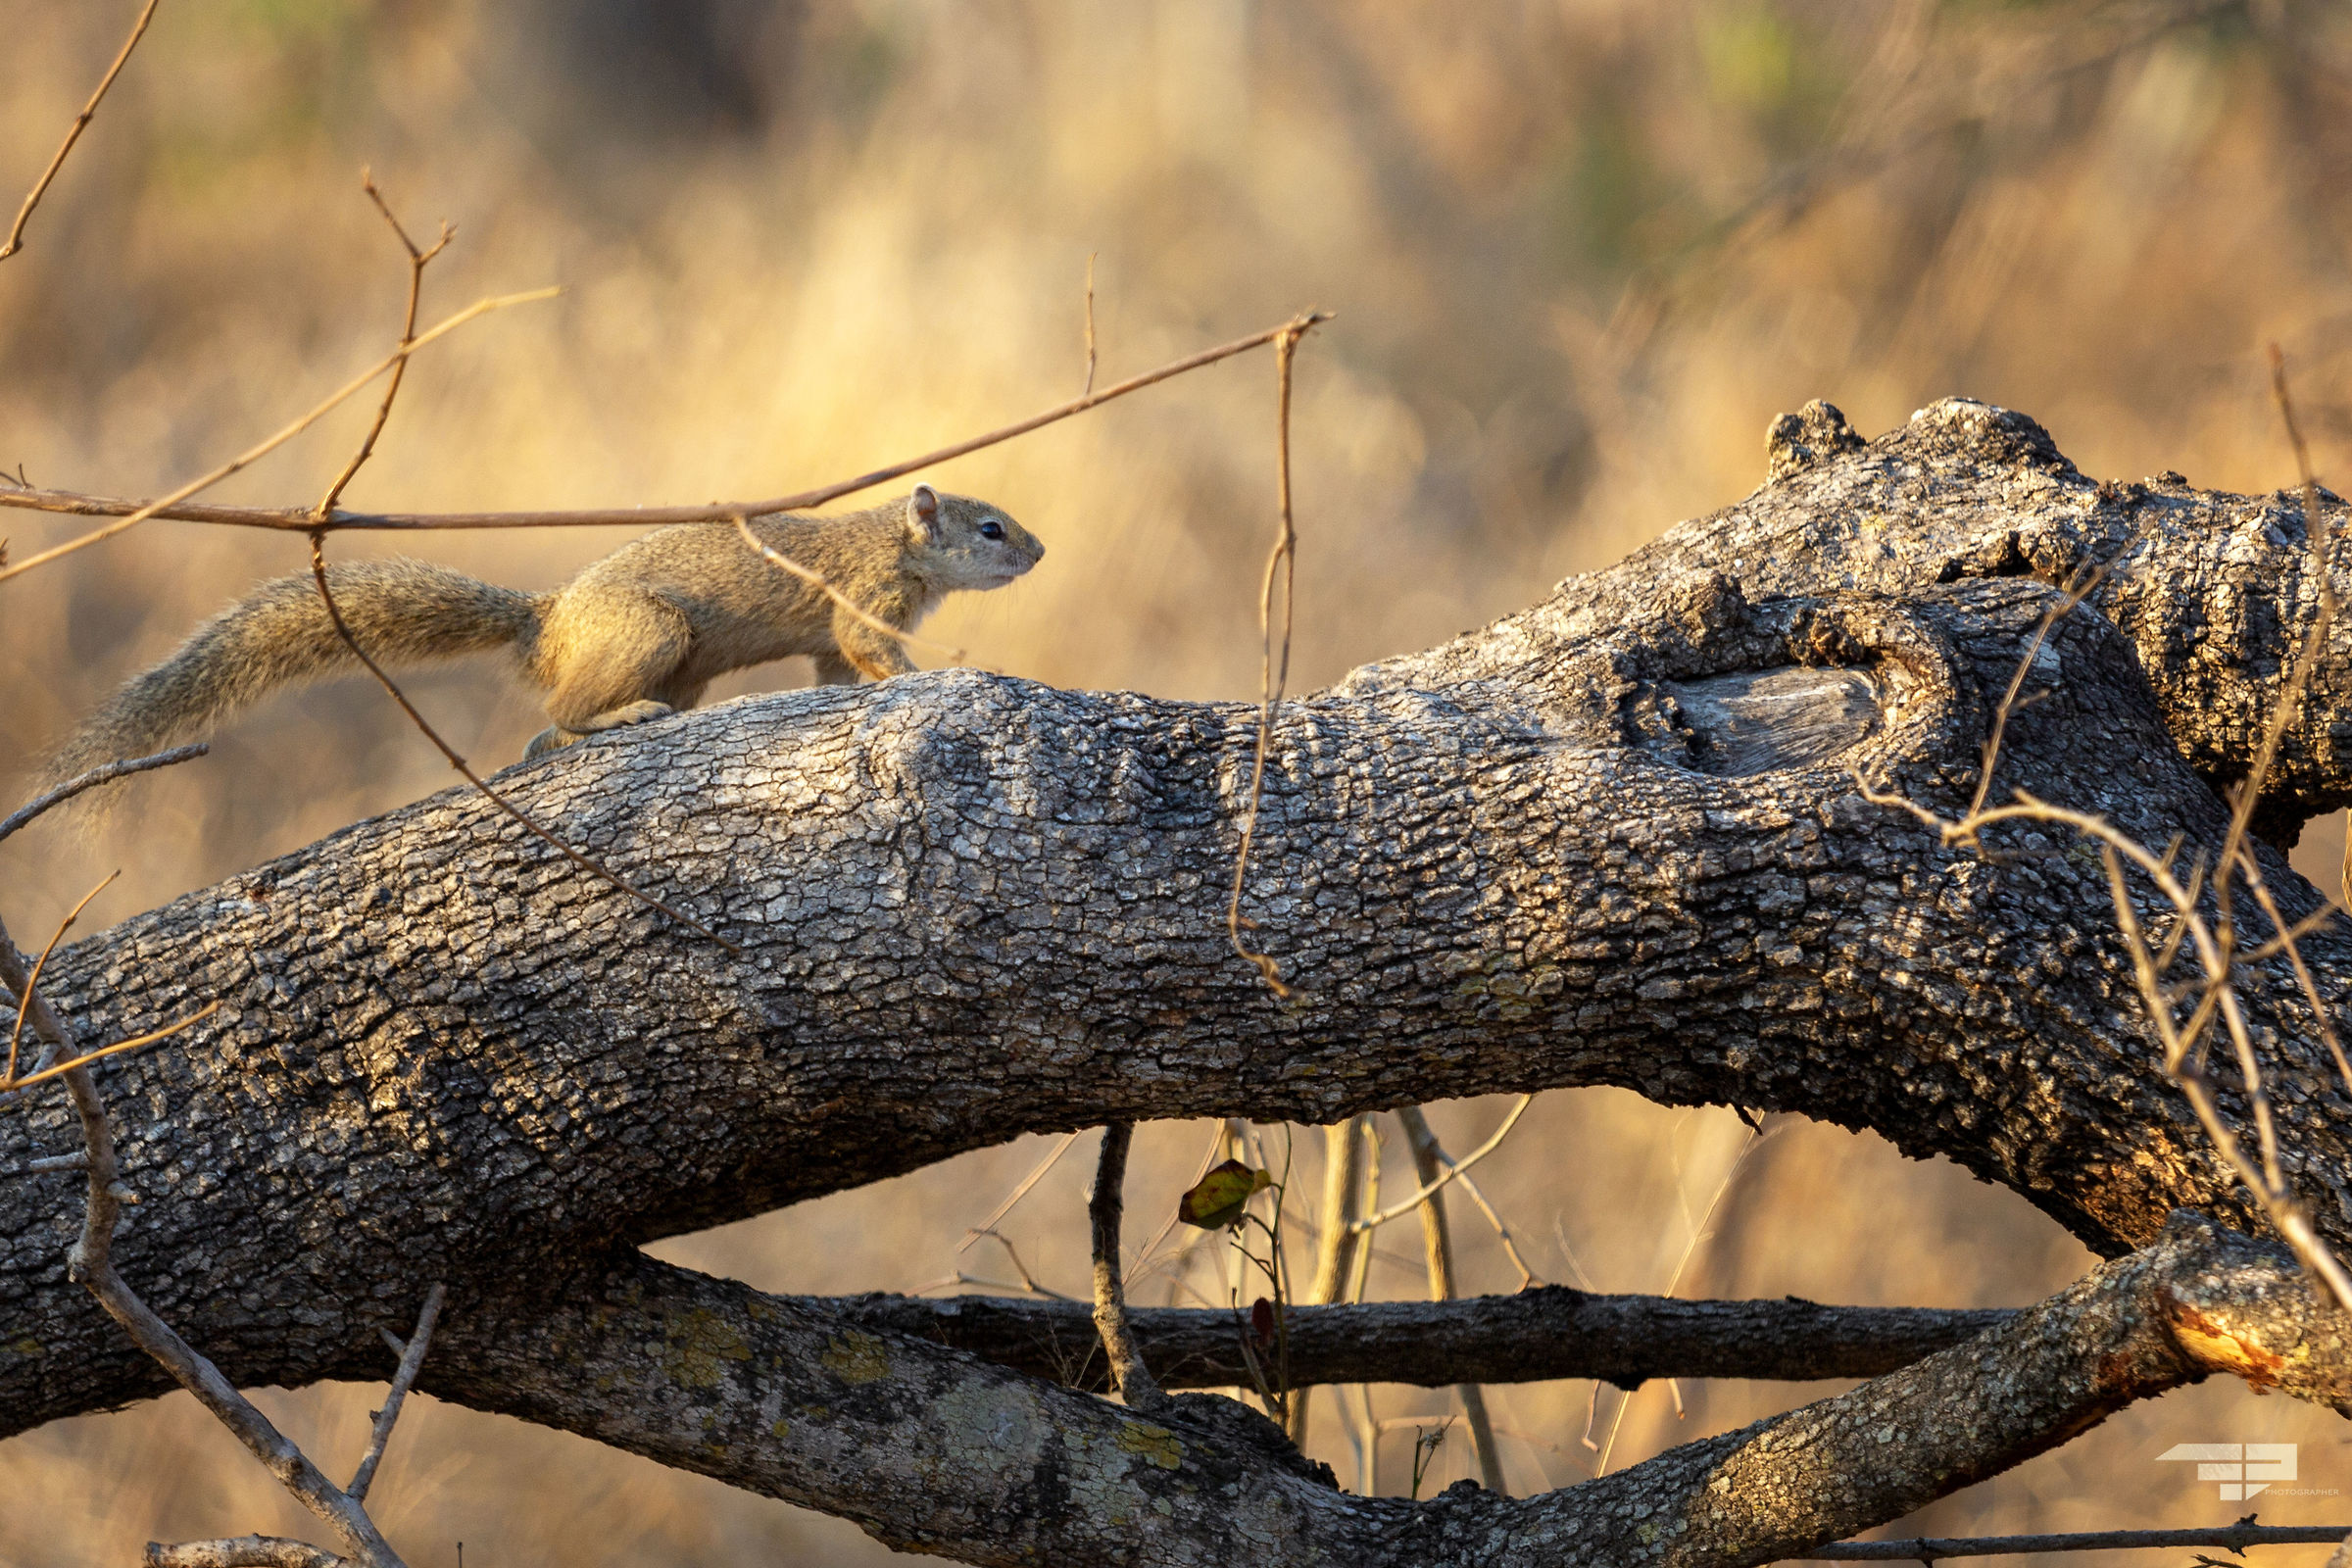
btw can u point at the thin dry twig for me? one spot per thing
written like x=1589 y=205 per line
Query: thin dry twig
x=1502 y=1232
x=2084 y=584
x=140 y=512
x=40 y=187
x=1428 y=1155
x=412 y=1358
x=585 y=863
x=1090 y=326
x=60 y=1069
x=24 y=814
x=1699 y=1232
x=2317 y=539
x=33 y=984
x=817 y=579
x=1272 y=676
x=1452 y=1171
x=988 y=1226
x=2214 y=942
x=301 y=520
x=419 y=261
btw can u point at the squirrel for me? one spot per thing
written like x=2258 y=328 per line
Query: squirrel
x=635 y=636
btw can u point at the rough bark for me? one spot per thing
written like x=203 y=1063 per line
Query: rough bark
x=932 y=1450
x=1613 y=839
x=1547 y=1332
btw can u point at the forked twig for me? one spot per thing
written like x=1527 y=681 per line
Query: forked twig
x=59 y=1069
x=33 y=983
x=40 y=187
x=254 y=454
x=301 y=520
x=419 y=260
x=1452 y=1171
x=585 y=863
x=412 y=1358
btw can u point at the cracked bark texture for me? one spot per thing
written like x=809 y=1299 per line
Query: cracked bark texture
x=1613 y=839
x=1547 y=1330
x=932 y=1450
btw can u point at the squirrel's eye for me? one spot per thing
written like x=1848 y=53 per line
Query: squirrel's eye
x=992 y=529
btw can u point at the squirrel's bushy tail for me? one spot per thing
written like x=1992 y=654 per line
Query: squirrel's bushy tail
x=401 y=612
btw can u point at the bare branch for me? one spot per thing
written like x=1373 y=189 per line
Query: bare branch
x=301 y=520
x=1272 y=677
x=419 y=260
x=32 y=983
x=1129 y=1376
x=1452 y=1170
x=136 y=515
x=40 y=187
x=90 y=780
x=1428 y=1158
x=412 y=1357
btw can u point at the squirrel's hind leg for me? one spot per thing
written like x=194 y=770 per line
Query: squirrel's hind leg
x=555 y=736
x=611 y=657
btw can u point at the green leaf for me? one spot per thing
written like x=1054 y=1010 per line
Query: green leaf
x=1219 y=1198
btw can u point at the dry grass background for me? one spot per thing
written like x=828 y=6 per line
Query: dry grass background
x=1582 y=251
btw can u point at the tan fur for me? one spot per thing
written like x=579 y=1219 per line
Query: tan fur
x=639 y=634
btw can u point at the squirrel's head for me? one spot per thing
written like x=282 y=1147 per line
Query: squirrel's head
x=967 y=544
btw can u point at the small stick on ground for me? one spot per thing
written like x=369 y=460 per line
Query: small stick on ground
x=40 y=187
x=334 y=613
x=1428 y=1155
x=1128 y=1374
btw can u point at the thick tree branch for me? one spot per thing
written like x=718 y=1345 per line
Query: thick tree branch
x=1553 y=854
x=1613 y=839
x=929 y=1449
x=1544 y=1333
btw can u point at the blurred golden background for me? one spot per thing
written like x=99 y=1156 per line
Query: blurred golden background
x=1581 y=251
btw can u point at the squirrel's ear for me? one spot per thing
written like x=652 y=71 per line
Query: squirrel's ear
x=922 y=514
